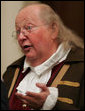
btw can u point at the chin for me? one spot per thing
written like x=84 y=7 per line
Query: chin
x=30 y=56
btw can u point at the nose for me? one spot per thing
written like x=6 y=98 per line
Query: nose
x=22 y=35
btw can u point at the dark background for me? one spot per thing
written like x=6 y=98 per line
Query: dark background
x=72 y=14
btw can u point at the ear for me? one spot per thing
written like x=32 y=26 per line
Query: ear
x=54 y=31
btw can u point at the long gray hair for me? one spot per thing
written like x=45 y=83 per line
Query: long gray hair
x=65 y=35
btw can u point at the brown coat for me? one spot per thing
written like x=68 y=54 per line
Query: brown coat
x=71 y=86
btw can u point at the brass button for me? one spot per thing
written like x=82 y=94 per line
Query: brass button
x=24 y=105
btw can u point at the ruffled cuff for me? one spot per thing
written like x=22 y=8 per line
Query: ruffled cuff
x=51 y=99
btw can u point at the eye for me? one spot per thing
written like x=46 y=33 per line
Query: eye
x=29 y=27
x=18 y=32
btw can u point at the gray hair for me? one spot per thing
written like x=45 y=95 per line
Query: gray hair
x=65 y=35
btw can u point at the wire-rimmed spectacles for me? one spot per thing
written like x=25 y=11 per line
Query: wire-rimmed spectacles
x=27 y=29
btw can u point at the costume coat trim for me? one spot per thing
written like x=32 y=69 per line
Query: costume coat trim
x=66 y=100
x=60 y=75
x=69 y=83
x=13 y=82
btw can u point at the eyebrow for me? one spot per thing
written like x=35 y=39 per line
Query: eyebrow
x=24 y=24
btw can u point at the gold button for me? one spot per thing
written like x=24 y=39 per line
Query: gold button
x=24 y=105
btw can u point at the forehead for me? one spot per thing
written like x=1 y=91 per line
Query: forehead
x=28 y=15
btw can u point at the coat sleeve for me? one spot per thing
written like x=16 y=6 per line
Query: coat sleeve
x=4 y=98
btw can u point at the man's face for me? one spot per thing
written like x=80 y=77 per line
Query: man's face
x=33 y=35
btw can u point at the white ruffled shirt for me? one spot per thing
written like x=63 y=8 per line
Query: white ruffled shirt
x=41 y=74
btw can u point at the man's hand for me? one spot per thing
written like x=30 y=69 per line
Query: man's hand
x=35 y=100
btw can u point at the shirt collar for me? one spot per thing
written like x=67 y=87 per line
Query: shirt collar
x=56 y=58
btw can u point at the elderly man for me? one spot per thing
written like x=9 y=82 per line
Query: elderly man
x=50 y=75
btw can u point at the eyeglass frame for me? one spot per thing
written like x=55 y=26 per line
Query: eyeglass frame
x=25 y=28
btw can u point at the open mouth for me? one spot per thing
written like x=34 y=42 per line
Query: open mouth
x=27 y=47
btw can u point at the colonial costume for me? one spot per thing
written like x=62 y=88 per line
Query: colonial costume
x=67 y=75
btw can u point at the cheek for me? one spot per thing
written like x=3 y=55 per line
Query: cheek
x=40 y=40
x=37 y=39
